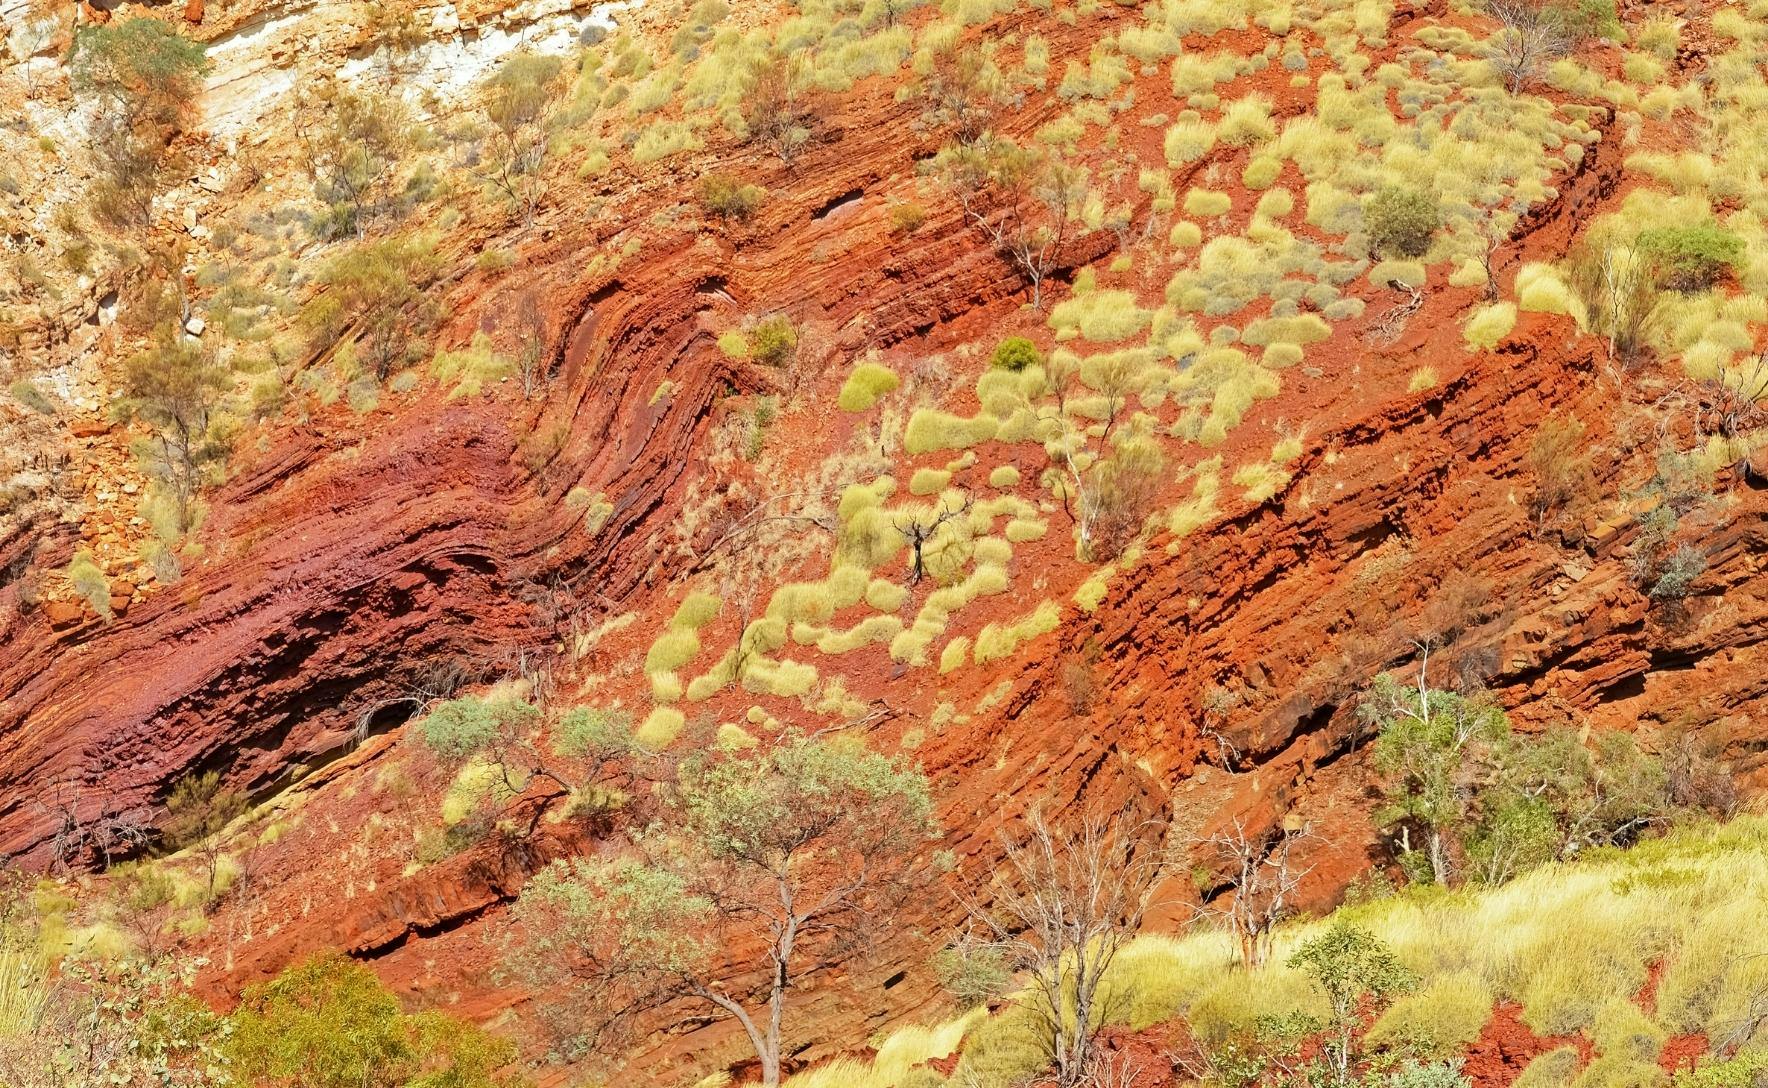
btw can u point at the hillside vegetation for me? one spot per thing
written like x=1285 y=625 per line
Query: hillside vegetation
x=884 y=543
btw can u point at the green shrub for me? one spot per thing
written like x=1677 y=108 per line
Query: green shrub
x=460 y=727
x=1743 y=1071
x=88 y=580
x=1692 y=258
x=907 y=217
x=1437 y=1021
x=1489 y=325
x=865 y=385
x=1016 y=353
x=728 y=198
x=329 y=1023
x=1401 y=222
x=26 y=393
x=774 y=341
x=1554 y=1069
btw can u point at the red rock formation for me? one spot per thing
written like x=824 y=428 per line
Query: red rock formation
x=340 y=562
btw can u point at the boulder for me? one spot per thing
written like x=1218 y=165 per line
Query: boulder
x=63 y=614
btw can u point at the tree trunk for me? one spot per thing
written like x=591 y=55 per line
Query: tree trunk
x=1439 y=859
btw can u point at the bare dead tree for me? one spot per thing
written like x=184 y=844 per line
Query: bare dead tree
x=1531 y=35
x=1389 y=327
x=1065 y=904
x=100 y=836
x=1731 y=403
x=919 y=529
x=1261 y=876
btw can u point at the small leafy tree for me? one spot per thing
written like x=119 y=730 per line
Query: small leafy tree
x=1355 y=972
x=198 y=811
x=521 y=100
x=1619 y=285
x=799 y=851
x=1402 y=222
x=1425 y=738
x=177 y=386
x=351 y=145
x=958 y=89
x=328 y=1022
x=142 y=77
x=779 y=112
x=381 y=288
x=504 y=736
x=1025 y=201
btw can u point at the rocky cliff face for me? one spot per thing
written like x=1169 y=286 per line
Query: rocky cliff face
x=347 y=556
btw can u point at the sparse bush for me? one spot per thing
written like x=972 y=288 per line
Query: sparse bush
x=907 y=217
x=26 y=393
x=1561 y=466
x=1677 y=574
x=973 y=973
x=1402 y=222
x=1025 y=201
x=1016 y=353
x=520 y=100
x=381 y=287
x=1617 y=284
x=779 y=110
x=176 y=386
x=351 y=145
x=1531 y=35
x=730 y=199
x=88 y=580
x=774 y=341
x=198 y=811
x=1122 y=493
